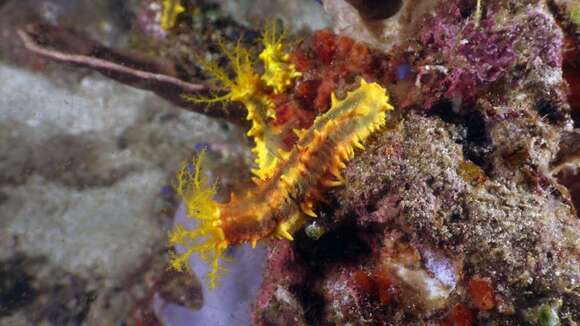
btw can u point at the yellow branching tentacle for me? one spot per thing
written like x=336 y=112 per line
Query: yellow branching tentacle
x=207 y=239
x=243 y=85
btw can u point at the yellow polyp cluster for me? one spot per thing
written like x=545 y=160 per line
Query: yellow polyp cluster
x=207 y=239
x=243 y=87
x=279 y=72
x=171 y=9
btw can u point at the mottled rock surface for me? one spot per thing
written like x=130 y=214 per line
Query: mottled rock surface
x=83 y=169
x=453 y=215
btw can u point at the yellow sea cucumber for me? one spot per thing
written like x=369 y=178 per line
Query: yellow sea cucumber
x=280 y=204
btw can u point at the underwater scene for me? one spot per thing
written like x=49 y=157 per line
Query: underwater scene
x=289 y=162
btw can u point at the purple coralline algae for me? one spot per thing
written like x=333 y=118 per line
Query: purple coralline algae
x=457 y=58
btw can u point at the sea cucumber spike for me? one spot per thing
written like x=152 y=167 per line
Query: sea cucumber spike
x=291 y=224
x=340 y=164
x=358 y=145
x=317 y=139
x=350 y=152
x=307 y=209
x=257 y=181
x=335 y=171
x=265 y=138
x=270 y=107
x=344 y=154
x=283 y=232
x=284 y=155
x=331 y=183
x=299 y=132
x=333 y=100
x=286 y=180
x=171 y=9
x=303 y=161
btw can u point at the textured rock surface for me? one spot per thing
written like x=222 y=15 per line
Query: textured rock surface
x=82 y=169
x=417 y=201
x=452 y=215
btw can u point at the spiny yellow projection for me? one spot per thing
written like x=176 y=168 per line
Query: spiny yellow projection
x=281 y=204
x=171 y=9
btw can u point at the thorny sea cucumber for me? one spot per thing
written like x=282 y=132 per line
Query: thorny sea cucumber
x=288 y=181
x=278 y=206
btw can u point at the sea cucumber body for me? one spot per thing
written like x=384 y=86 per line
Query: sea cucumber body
x=278 y=205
